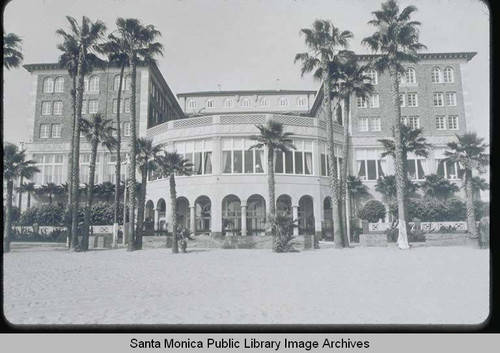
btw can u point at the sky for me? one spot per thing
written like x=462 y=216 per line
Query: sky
x=240 y=44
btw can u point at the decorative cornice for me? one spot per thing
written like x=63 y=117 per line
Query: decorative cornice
x=244 y=92
x=427 y=56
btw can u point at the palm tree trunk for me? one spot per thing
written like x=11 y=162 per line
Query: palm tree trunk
x=29 y=200
x=173 y=207
x=8 y=217
x=75 y=167
x=469 y=196
x=140 y=210
x=132 y=165
x=399 y=163
x=118 y=146
x=345 y=168
x=90 y=194
x=70 y=161
x=50 y=198
x=20 y=193
x=271 y=187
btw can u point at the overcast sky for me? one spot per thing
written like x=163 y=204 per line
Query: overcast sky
x=240 y=44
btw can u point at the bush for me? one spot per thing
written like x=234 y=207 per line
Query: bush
x=430 y=210
x=15 y=214
x=457 y=210
x=372 y=211
x=44 y=215
x=26 y=234
x=355 y=231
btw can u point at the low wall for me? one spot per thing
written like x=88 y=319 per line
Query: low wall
x=373 y=239
x=449 y=239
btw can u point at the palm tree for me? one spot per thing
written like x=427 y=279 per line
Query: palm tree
x=356 y=191
x=117 y=51
x=479 y=184
x=28 y=188
x=86 y=37
x=140 y=43
x=437 y=187
x=171 y=164
x=97 y=130
x=105 y=190
x=273 y=137
x=147 y=156
x=469 y=154
x=324 y=58
x=396 y=40
x=50 y=189
x=14 y=165
x=12 y=56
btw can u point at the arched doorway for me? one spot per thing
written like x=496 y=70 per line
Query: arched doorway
x=149 y=218
x=161 y=206
x=256 y=215
x=306 y=216
x=231 y=215
x=327 y=224
x=203 y=215
x=284 y=204
x=182 y=213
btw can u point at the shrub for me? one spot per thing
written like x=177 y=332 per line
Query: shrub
x=44 y=215
x=430 y=210
x=457 y=210
x=15 y=214
x=372 y=211
x=355 y=231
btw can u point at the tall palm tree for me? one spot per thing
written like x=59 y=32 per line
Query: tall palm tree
x=396 y=40
x=325 y=43
x=356 y=191
x=97 y=130
x=50 y=190
x=86 y=37
x=469 y=153
x=437 y=187
x=105 y=190
x=14 y=165
x=412 y=141
x=140 y=43
x=171 y=164
x=12 y=56
x=479 y=184
x=28 y=188
x=147 y=157
x=117 y=52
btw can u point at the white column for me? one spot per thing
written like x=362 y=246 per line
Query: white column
x=216 y=221
x=295 y=215
x=192 y=215
x=243 y=219
x=157 y=218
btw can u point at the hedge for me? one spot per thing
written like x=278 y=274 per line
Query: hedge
x=372 y=211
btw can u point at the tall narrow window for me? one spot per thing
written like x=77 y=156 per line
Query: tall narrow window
x=448 y=75
x=48 y=85
x=451 y=99
x=414 y=122
x=58 y=107
x=93 y=106
x=94 y=83
x=453 y=122
x=85 y=104
x=362 y=102
x=126 y=129
x=410 y=76
x=374 y=101
x=192 y=104
x=127 y=105
x=46 y=108
x=302 y=102
x=264 y=102
x=438 y=99
x=283 y=102
x=436 y=75
x=363 y=124
x=229 y=103
x=210 y=103
x=412 y=99
x=59 y=85
x=440 y=123
x=128 y=83
x=373 y=76
x=44 y=131
x=375 y=124
x=56 y=131
x=402 y=100
x=246 y=102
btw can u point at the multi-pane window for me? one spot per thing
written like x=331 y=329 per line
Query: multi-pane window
x=436 y=75
x=374 y=124
x=412 y=99
x=283 y=102
x=448 y=170
x=198 y=153
x=51 y=168
x=59 y=85
x=438 y=100
x=325 y=164
x=94 y=83
x=48 y=85
x=402 y=100
x=115 y=105
x=302 y=102
x=369 y=164
x=126 y=129
x=416 y=167
x=128 y=83
x=246 y=102
x=86 y=84
x=85 y=105
x=56 y=131
x=264 y=102
x=448 y=75
x=238 y=158
x=362 y=102
x=116 y=83
x=440 y=122
x=374 y=101
x=363 y=124
x=372 y=74
x=451 y=99
x=404 y=120
x=85 y=168
x=46 y=108
x=210 y=103
x=44 y=131
x=229 y=103
x=410 y=76
x=58 y=107
x=93 y=106
x=192 y=104
x=414 y=122
x=453 y=122
x=298 y=161
x=127 y=105
x=110 y=174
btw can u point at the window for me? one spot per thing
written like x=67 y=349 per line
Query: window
x=372 y=74
x=85 y=83
x=58 y=106
x=44 y=131
x=94 y=83
x=115 y=105
x=362 y=102
x=85 y=107
x=128 y=83
x=363 y=124
x=127 y=105
x=85 y=166
x=374 y=101
x=110 y=173
x=414 y=122
x=126 y=129
x=369 y=164
x=46 y=108
x=283 y=102
x=93 y=106
x=438 y=100
x=416 y=167
x=238 y=158
x=48 y=85
x=447 y=170
x=51 y=168
x=264 y=102
x=56 y=131
x=116 y=83
x=410 y=76
x=402 y=100
x=404 y=120
x=192 y=104
x=246 y=102
x=302 y=102
x=298 y=161
x=59 y=85
x=198 y=152
x=451 y=99
x=325 y=165
x=453 y=122
x=210 y=103
x=448 y=75
x=436 y=75
x=375 y=124
x=440 y=123
x=412 y=99
x=229 y=103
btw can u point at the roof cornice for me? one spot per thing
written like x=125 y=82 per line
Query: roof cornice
x=426 y=56
x=244 y=92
